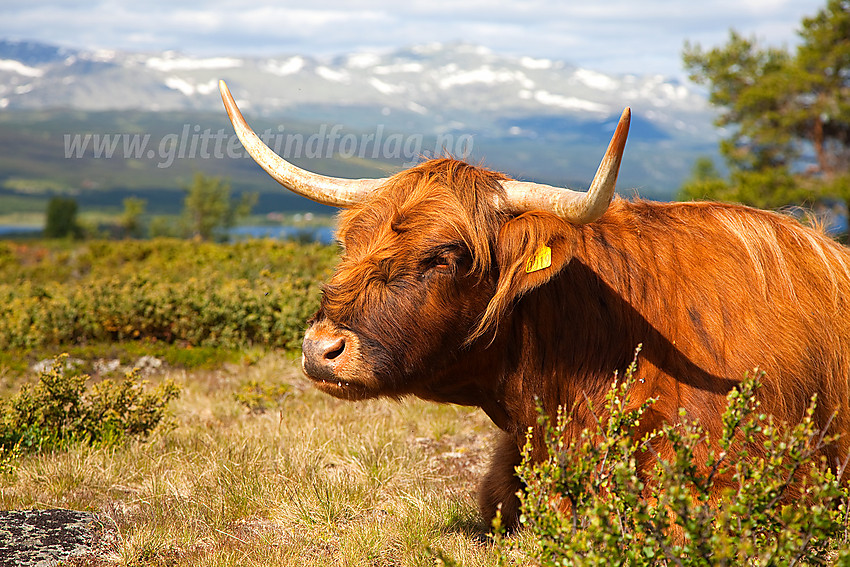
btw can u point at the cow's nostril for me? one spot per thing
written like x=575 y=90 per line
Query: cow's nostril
x=336 y=349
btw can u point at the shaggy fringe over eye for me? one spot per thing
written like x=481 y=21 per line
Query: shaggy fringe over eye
x=448 y=196
x=440 y=201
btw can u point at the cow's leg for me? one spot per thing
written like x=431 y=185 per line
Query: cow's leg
x=500 y=485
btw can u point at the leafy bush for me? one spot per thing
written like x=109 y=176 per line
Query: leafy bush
x=60 y=409
x=62 y=219
x=259 y=396
x=192 y=293
x=613 y=517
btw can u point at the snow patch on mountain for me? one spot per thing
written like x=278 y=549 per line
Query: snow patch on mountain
x=596 y=80
x=288 y=66
x=484 y=75
x=398 y=68
x=537 y=64
x=334 y=75
x=429 y=88
x=191 y=89
x=417 y=108
x=19 y=68
x=171 y=62
x=385 y=88
x=363 y=60
x=569 y=102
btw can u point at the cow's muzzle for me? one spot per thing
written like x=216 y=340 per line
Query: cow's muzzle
x=330 y=357
x=320 y=356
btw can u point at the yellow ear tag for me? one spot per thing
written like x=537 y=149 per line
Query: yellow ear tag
x=542 y=259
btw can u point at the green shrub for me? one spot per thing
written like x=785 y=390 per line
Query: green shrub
x=617 y=518
x=59 y=409
x=260 y=396
x=61 y=219
x=191 y=293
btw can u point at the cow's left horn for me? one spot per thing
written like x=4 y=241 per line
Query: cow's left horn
x=574 y=206
x=320 y=188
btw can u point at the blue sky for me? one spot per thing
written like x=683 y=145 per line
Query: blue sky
x=616 y=36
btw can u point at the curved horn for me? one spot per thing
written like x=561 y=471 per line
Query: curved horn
x=320 y=188
x=574 y=206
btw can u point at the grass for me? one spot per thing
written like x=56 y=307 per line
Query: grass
x=314 y=481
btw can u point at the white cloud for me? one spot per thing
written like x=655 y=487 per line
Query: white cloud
x=608 y=35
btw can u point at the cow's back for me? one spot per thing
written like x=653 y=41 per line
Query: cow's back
x=712 y=292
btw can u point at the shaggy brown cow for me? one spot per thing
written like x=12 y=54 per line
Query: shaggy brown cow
x=459 y=285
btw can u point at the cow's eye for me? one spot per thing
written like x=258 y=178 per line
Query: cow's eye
x=443 y=264
x=437 y=262
x=445 y=258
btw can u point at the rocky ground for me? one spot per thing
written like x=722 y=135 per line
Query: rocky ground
x=44 y=538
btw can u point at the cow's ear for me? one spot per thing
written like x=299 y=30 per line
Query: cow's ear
x=530 y=250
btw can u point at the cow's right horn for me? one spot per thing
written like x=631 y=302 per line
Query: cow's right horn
x=574 y=206
x=320 y=188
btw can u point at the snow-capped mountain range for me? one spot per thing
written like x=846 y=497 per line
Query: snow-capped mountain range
x=445 y=85
x=540 y=119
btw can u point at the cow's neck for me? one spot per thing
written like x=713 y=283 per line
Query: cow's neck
x=565 y=340
x=561 y=343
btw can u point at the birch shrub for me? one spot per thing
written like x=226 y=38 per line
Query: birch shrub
x=256 y=293
x=59 y=409
x=616 y=518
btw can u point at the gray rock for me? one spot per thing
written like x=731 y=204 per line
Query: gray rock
x=43 y=538
x=148 y=364
x=106 y=365
x=45 y=365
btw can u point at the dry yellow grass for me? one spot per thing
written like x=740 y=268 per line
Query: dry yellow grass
x=316 y=481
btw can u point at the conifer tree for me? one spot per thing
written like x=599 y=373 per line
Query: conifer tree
x=787 y=114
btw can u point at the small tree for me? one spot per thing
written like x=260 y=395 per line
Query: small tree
x=130 y=222
x=162 y=227
x=208 y=209
x=787 y=114
x=62 y=219
x=705 y=182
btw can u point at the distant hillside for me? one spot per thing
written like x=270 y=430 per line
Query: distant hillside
x=103 y=124
x=35 y=162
